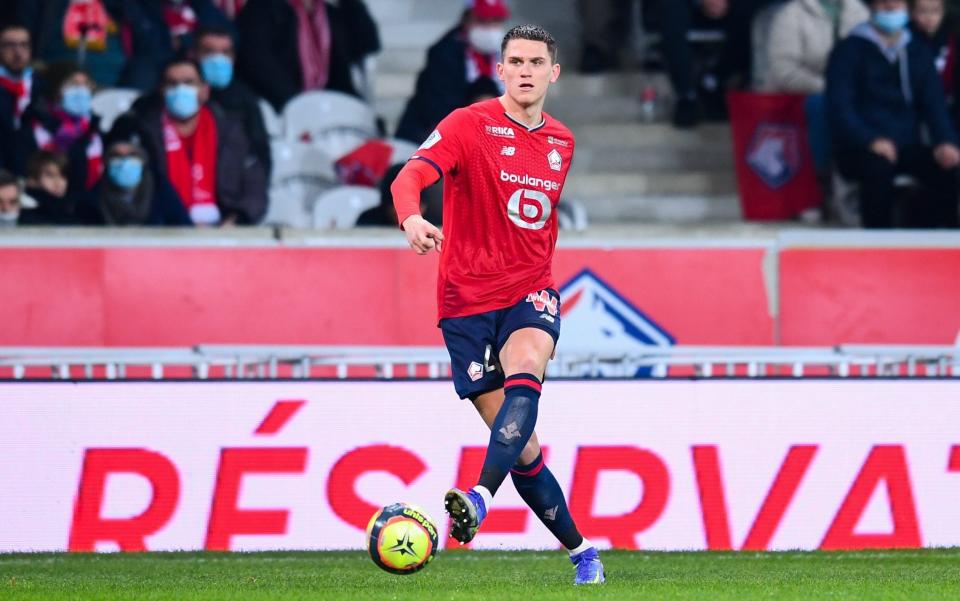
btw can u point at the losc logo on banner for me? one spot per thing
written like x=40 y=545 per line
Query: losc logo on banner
x=597 y=317
x=774 y=153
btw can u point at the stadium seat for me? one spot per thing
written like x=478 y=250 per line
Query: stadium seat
x=332 y=121
x=271 y=120
x=300 y=174
x=402 y=150
x=339 y=208
x=111 y=103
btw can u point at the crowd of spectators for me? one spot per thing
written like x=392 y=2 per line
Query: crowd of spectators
x=879 y=77
x=193 y=149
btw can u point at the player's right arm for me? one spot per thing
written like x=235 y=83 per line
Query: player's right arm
x=441 y=153
x=415 y=176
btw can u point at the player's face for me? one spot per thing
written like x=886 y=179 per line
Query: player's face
x=527 y=71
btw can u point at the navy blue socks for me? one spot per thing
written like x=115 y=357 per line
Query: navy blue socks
x=540 y=491
x=511 y=429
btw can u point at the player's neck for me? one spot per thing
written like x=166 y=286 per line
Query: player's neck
x=531 y=115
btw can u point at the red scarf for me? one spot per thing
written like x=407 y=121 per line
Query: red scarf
x=20 y=90
x=313 y=43
x=192 y=166
x=87 y=21
x=69 y=130
x=480 y=65
x=180 y=18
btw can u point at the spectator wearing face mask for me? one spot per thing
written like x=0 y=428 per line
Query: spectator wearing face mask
x=294 y=46
x=200 y=150
x=463 y=55
x=130 y=192
x=47 y=189
x=888 y=116
x=214 y=50
x=17 y=91
x=64 y=122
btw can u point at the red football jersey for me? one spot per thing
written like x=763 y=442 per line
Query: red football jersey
x=502 y=186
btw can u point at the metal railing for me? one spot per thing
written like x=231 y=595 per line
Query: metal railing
x=345 y=362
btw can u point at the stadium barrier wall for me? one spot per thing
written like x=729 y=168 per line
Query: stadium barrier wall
x=741 y=293
x=811 y=464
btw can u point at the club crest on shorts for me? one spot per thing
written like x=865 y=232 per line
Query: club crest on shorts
x=475 y=371
x=555 y=160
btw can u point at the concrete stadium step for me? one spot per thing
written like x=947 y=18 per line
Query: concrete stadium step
x=666 y=159
x=679 y=209
x=584 y=182
x=389 y=12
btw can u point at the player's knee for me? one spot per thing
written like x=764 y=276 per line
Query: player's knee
x=527 y=362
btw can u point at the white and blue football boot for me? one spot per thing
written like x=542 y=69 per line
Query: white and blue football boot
x=467 y=511
x=589 y=567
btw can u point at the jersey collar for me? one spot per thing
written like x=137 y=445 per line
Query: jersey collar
x=543 y=121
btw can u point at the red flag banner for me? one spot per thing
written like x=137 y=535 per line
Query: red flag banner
x=775 y=171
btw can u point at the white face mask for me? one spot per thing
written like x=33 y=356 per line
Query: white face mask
x=9 y=219
x=486 y=39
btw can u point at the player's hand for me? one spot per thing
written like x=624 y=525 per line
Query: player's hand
x=422 y=235
x=885 y=148
x=947 y=155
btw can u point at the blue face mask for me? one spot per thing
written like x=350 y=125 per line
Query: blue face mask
x=78 y=101
x=183 y=101
x=217 y=70
x=890 y=21
x=125 y=172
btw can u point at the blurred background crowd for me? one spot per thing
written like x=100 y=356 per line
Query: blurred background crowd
x=220 y=113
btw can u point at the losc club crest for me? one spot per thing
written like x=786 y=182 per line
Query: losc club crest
x=774 y=153
x=596 y=318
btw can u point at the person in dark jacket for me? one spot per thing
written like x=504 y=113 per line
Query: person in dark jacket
x=18 y=89
x=464 y=54
x=214 y=50
x=131 y=192
x=882 y=92
x=203 y=153
x=292 y=46
x=46 y=187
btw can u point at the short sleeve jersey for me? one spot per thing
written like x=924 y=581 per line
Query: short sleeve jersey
x=500 y=193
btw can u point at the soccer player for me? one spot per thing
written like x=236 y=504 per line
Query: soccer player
x=504 y=162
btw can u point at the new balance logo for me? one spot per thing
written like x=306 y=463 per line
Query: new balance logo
x=508 y=151
x=551 y=514
x=544 y=301
x=510 y=431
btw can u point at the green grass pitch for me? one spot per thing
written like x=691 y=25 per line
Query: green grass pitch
x=500 y=576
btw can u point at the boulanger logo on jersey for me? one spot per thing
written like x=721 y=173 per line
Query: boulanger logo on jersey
x=597 y=318
x=528 y=180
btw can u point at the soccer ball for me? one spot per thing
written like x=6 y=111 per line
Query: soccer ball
x=401 y=539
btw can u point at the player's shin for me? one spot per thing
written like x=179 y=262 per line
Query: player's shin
x=511 y=429
x=542 y=494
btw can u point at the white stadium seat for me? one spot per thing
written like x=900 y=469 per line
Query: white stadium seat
x=402 y=150
x=271 y=120
x=301 y=173
x=110 y=103
x=339 y=208
x=333 y=121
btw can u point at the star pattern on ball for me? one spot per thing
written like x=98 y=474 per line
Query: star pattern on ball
x=404 y=545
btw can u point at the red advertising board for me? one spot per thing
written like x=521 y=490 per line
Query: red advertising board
x=881 y=295
x=349 y=296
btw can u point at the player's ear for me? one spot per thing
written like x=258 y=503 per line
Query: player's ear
x=555 y=73
x=500 y=71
